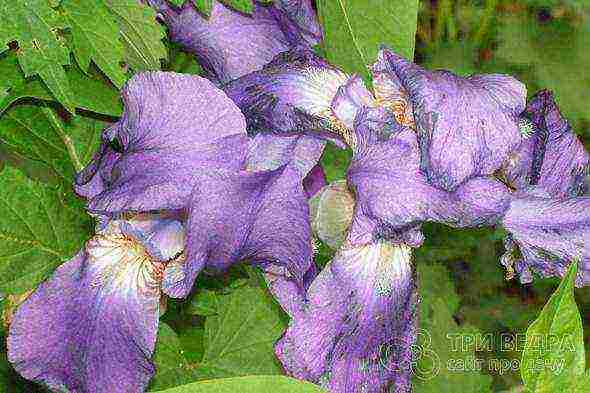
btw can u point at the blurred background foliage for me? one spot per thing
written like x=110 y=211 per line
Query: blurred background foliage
x=228 y=327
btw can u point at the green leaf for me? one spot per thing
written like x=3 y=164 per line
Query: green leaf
x=41 y=227
x=204 y=6
x=34 y=24
x=141 y=34
x=38 y=133
x=172 y=368
x=95 y=36
x=203 y=303
x=554 y=357
x=90 y=94
x=239 y=339
x=249 y=384
x=26 y=130
x=245 y=6
x=355 y=30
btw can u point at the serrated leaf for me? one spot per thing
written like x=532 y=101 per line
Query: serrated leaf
x=10 y=73
x=250 y=384
x=241 y=343
x=245 y=6
x=26 y=130
x=204 y=6
x=172 y=368
x=37 y=133
x=554 y=357
x=355 y=30
x=141 y=34
x=95 y=36
x=41 y=227
x=34 y=25
x=90 y=94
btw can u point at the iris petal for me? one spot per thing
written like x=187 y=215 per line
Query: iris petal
x=173 y=125
x=92 y=326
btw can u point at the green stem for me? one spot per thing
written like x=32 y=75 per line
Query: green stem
x=67 y=141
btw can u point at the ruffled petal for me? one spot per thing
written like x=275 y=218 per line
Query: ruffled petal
x=357 y=328
x=563 y=161
x=97 y=175
x=546 y=235
x=295 y=94
x=92 y=326
x=466 y=126
x=261 y=217
x=173 y=125
x=390 y=188
x=230 y=44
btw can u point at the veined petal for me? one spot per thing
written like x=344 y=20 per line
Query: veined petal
x=230 y=44
x=563 y=162
x=296 y=93
x=261 y=217
x=546 y=235
x=92 y=326
x=466 y=126
x=356 y=331
x=173 y=125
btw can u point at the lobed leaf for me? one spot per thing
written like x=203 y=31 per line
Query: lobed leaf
x=35 y=25
x=41 y=227
x=95 y=36
x=140 y=34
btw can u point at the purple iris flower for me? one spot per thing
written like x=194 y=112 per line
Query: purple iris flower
x=92 y=326
x=299 y=92
x=466 y=126
x=230 y=44
x=173 y=126
x=550 y=157
x=549 y=221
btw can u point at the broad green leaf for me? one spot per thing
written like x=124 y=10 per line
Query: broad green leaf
x=95 y=36
x=177 y=3
x=26 y=130
x=355 y=30
x=443 y=360
x=239 y=339
x=249 y=384
x=141 y=34
x=10 y=72
x=245 y=6
x=34 y=24
x=554 y=357
x=203 y=303
x=41 y=227
x=90 y=94
x=205 y=6
x=172 y=368
x=38 y=133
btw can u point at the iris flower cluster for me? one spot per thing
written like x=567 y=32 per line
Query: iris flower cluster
x=202 y=173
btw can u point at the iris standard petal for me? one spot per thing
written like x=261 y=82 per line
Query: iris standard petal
x=356 y=330
x=92 y=326
x=546 y=235
x=229 y=44
x=261 y=217
x=466 y=126
x=298 y=92
x=173 y=126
